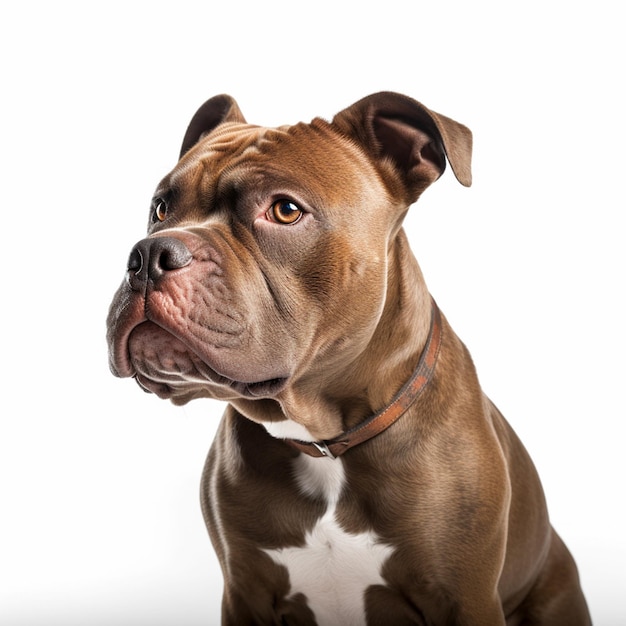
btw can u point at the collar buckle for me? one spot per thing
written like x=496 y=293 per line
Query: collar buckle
x=323 y=449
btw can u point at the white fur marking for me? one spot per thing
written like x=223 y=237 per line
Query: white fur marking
x=334 y=568
x=288 y=429
x=320 y=478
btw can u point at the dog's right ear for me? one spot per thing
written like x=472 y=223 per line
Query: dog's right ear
x=408 y=142
x=212 y=113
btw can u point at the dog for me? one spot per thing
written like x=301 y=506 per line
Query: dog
x=359 y=474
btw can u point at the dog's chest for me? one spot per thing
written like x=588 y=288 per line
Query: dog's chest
x=334 y=568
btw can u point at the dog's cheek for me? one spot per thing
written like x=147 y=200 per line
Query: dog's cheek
x=336 y=275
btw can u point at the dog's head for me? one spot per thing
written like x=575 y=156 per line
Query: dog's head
x=267 y=259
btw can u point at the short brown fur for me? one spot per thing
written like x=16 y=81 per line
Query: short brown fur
x=322 y=324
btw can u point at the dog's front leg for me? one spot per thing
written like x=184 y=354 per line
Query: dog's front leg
x=251 y=609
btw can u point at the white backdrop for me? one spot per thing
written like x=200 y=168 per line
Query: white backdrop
x=100 y=523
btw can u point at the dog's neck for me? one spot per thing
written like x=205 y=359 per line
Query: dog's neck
x=379 y=422
x=324 y=407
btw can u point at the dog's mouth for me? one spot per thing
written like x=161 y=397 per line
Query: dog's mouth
x=175 y=365
x=227 y=389
x=166 y=366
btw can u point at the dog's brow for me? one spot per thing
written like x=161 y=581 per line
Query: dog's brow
x=230 y=143
x=234 y=139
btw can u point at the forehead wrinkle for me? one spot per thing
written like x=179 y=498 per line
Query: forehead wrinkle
x=233 y=139
x=228 y=143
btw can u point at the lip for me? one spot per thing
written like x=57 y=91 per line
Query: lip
x=130 y=310
x=253 y=391
x=127 y=311
x=121 y=365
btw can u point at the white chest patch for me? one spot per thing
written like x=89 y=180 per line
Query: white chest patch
x=334 y=568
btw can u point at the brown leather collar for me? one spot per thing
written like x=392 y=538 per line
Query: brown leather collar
x=379 y=422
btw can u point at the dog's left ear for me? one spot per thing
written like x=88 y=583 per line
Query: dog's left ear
x=211 y=114
x=396 y=128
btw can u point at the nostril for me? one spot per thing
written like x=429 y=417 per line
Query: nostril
x=150 y=259
x=172 y=255
x=135 y=260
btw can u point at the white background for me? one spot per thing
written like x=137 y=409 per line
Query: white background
x=100 y=522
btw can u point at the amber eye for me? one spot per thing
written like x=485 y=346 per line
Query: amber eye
x=284 y=212
x=159 y=209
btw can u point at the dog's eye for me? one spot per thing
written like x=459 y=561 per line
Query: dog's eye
x=159 y=210
x=284 y=212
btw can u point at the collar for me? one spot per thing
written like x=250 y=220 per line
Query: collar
x=382 y=420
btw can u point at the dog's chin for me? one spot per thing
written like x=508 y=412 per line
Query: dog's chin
x=181 y=392
x=169 y=368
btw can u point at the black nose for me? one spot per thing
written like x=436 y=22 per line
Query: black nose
x=152 y=258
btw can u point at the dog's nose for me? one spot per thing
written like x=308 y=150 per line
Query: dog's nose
x=152 y=258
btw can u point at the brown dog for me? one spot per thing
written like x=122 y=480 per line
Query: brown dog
x=360 y=475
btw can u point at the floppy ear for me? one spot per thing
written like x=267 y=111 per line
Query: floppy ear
x=212 y=113
x=396 y=128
